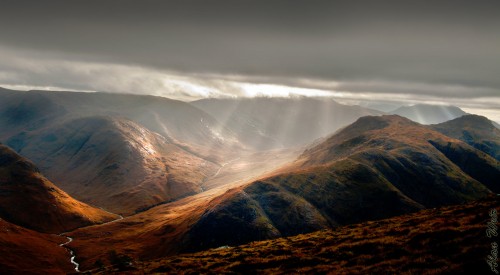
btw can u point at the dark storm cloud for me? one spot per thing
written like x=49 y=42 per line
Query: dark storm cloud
x=443 y=42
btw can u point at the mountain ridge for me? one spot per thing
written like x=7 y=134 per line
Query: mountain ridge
x=114 y=162
x=28 y=199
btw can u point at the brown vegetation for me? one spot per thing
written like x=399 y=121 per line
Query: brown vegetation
x=448 y=240
x=23 y=251
x=28 y=199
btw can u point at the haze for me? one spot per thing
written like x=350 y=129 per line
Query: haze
x=369 y=53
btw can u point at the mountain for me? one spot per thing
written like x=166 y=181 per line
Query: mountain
x=26 y=251
x=375 y=168
x=429 y=114
x=477 y=131
x=264 y=123
x=114 y=163
x=446 y=240
x=28 y=199
x=179 y=122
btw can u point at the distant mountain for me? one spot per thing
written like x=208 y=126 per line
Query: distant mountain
x=377 y=167
x=381 y=106
x=179 y=122
x=113 y=162
x=26 y=251
x=477 y=131
x=28 y=199
x=429 y=114
x=264 y=123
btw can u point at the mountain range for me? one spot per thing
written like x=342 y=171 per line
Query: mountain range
x=377 y=167
x=218 y=173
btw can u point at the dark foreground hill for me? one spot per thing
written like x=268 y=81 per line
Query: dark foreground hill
x=447 y=240
x=28 y=199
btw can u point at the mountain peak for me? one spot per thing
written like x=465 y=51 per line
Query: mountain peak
x=429 y=114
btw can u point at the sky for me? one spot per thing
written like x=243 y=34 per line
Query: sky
x=358 y=52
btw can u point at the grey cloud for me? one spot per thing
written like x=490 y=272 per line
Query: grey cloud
x=407 y=51
x=443 y=42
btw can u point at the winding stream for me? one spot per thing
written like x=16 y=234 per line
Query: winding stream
x=71 y=252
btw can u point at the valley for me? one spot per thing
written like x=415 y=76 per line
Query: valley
x=249 y=137
x=146 y=179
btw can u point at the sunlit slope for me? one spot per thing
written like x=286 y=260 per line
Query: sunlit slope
x=28 y=199
x=429 y=114
x=114 y=163
x=264 y=123
x=25 y=251
x=375 y=168
x=477 y=131
x=177 y=121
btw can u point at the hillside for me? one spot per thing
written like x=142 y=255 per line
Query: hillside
x=114 y=163
x=265 y=123
x=28 y=199
x=376 y=168
x=477 y=131
x=177 y=121
x=26 y=251
x=429 y=114
x=448 y=240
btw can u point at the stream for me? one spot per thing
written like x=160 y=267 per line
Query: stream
x=71 y=252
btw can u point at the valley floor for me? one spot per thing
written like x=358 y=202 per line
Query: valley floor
x=448 y=240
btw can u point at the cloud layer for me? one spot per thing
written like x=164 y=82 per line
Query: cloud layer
x=385 y=50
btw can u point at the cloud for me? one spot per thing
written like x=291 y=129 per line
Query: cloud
x=404 y=51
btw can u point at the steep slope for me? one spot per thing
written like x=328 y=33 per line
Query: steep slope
x=375 y=168
x=264 y=123
x=447 y=240
x=26 y=251
x=114 y=163
x=429 y=114
x=28 y=199
x=477 y=131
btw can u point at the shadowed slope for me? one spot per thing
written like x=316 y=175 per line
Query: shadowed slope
x=114 y=163
x=477 y=131
x=28 y=199
x=24 y=251
x=447 y=240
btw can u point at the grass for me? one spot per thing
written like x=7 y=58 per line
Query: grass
x=446 y=240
